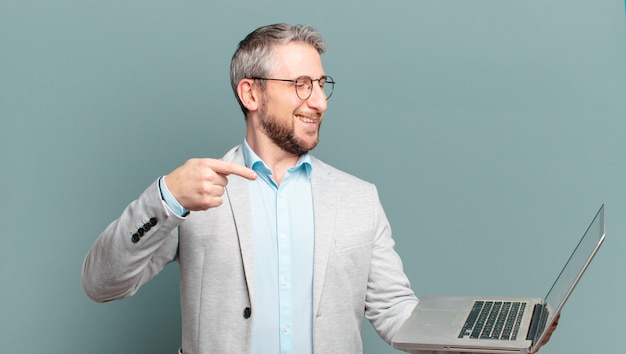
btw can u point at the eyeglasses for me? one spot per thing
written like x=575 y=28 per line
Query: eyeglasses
x=304 y=85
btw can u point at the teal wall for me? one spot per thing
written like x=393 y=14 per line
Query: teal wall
x=485 y=124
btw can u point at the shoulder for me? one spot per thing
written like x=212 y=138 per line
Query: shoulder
x=324 y=170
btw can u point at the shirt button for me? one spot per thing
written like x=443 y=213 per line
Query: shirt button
x=284 y=283
x=283 y=236
x=285 y=329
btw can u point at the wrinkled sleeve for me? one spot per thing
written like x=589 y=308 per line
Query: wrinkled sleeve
x=132 y=249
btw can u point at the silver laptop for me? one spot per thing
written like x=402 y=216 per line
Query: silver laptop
x=470 y=324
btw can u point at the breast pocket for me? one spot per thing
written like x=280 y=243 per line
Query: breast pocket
x=351 y=243
x=348 y=268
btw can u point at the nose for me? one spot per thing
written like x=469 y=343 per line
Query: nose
x=317 y=100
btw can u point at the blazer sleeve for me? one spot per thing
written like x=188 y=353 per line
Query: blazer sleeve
x=390 y=299
x=132 y=249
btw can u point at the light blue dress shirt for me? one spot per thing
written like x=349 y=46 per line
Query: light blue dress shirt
x=282 y=219
x=283 y=224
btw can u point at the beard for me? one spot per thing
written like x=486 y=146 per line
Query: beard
x=283 y=134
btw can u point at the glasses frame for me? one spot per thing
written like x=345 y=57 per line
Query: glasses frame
x=328 y=80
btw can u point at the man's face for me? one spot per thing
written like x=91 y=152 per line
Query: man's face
x=291 y=123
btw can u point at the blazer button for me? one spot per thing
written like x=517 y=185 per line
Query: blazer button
x=135 y=238
x=247 y=312
x=153 y=221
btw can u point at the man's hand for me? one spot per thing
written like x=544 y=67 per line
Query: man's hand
x=199 y=183
x=550 y=331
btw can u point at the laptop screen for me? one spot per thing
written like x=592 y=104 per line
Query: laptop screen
x=573 y=270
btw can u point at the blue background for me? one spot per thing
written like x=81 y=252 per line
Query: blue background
x=486 y=125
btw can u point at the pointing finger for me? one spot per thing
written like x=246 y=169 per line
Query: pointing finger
x=226 y=168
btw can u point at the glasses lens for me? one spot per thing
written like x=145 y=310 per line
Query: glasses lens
x=328 y=84
x=304 y=87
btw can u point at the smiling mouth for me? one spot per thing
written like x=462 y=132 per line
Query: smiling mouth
x=306 y=119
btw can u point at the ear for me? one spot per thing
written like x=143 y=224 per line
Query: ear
x=248 y=93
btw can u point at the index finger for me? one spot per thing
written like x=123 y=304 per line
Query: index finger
x=226 y=168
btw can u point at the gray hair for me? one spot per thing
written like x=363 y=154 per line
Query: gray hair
x=253 y=57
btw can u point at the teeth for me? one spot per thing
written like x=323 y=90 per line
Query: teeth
x=305 y=119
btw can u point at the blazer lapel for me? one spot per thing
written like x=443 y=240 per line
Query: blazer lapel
x=238 y=194
x=324 y=209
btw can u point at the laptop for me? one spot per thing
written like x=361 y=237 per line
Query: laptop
x=470 y=324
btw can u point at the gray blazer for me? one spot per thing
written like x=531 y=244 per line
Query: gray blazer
x=356 y=270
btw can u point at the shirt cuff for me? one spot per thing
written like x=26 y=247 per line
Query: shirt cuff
x=169 y=199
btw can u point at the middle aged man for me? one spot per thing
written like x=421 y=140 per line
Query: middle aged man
x=278 y=251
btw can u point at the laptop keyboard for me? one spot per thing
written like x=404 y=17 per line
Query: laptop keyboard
x=494 y=320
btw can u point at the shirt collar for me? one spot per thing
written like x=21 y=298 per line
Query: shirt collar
x=253 y=161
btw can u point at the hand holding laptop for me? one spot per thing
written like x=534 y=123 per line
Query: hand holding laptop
x=503 y=325
x=549 y=333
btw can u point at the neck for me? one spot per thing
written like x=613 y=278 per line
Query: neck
x=275 y=158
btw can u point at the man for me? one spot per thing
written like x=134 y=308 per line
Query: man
x=278 y=251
